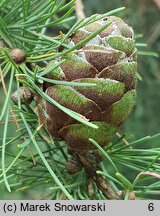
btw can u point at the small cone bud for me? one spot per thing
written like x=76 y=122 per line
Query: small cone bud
x=24 y=94
x=18 y=56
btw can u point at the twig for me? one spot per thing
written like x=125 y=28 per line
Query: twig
x=10 y=121
x=3 y=83
x=120 y=136
x=157 y=3
x=44 y=137
x=79 y=9
x=155 y=34
x=90 y=163
x=156 y=175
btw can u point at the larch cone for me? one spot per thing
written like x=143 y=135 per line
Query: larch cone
x=110 y=61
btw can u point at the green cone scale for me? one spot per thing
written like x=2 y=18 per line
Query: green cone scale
x=109 y=61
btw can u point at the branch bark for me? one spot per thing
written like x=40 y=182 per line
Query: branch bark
x=157 y=3
x=90 y=163
x=79 y=9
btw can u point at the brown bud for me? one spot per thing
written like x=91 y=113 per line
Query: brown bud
x=18 y=56
x=25 y=95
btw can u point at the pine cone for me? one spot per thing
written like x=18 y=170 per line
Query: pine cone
x=108 y=60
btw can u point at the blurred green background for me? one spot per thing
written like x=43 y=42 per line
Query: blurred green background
x=144 y=17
